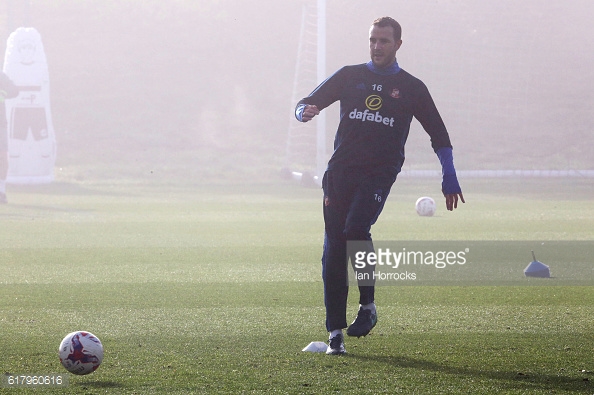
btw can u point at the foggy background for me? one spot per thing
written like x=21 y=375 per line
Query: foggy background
x=201 y=90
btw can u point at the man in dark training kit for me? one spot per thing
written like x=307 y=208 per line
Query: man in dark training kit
x=378 y=101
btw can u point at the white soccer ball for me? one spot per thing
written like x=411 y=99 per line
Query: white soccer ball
x=425 y=206
x=81 y=352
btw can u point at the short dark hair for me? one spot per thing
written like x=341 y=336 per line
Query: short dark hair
x=386 y=21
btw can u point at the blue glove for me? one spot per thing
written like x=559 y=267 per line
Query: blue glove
x=450 y=183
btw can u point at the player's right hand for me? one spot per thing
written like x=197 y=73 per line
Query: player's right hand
x=309 y=112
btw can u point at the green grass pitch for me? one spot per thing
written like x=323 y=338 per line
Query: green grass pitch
x=217 y=290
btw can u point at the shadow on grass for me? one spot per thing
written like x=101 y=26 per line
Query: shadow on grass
x=99 y=384
x=508 y=379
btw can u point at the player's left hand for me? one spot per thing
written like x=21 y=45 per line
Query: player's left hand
x=452 y=191
x=452 y=200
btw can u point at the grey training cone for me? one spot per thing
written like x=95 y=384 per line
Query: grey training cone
x=537 y=269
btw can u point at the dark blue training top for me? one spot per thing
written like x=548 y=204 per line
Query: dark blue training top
x=376 y=110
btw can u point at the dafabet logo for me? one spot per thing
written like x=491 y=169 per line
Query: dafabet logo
x=373 y=103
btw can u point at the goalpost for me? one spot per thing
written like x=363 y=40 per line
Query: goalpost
x=321 y=72
x=306 y=155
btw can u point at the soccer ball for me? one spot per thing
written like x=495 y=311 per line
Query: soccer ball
x=81 y=352
x=425 y=206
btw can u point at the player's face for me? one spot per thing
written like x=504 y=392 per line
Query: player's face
x=382 y=46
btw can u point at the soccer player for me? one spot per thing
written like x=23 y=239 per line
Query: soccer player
x=7 y=90
x=378 y=100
